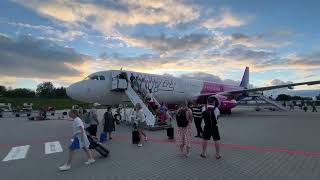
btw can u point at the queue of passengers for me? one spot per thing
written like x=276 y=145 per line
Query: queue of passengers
x=184 y=118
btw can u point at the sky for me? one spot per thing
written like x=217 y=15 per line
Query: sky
x=63 y=41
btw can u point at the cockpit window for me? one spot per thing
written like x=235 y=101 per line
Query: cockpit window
x=95 y=77
x=102 y=78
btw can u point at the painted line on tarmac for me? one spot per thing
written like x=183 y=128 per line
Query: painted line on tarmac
x=53 y=147
x=166 y=141
x=234 y=146
x=2 y=146
x=15 y=153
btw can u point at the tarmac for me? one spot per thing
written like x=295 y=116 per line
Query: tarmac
x=255 y=145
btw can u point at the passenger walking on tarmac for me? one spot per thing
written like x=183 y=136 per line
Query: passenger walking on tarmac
x=109 y=122
x=197 y=113
x=94 y=123
x=163 y=113
x=140 y=121
x=79 y=141
x=314 y=107
x=305 y=107
x=184 y=130
x=211 y=115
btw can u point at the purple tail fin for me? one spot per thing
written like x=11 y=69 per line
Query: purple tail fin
x=245 y=79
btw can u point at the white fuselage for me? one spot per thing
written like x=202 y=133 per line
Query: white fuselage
x=97 y=87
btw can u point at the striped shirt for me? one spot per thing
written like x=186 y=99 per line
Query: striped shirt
x=197 y=111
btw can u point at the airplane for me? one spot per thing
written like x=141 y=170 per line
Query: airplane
x=110 y=88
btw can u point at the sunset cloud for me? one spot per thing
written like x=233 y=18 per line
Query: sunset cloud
x=105 y=16
x=65 y=40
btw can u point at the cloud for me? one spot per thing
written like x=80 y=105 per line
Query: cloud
x=33 y=58
x=310 y=61
x=225 y=20
x=105 y=16
x=173 y=44
x=260 y=41
x=54 y=34
x=278 y=82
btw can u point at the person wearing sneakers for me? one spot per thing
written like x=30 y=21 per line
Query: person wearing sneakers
x=140 y=121
x=210 y=116
x=79 y=140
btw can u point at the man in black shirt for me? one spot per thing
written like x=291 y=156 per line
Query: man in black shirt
x=210 y=116
x=197 y=116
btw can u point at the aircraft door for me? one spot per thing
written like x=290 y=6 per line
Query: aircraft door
x=115 y=80
x=119 y=80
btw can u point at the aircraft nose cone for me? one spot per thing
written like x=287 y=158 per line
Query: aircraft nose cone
x=73 y=91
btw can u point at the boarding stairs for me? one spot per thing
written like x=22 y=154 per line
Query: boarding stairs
x=274 y=103
x=135 y=98
x=260 y=99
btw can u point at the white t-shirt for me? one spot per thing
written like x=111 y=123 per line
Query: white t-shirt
x=77 y=123
x=217 y=112
x=140 y=116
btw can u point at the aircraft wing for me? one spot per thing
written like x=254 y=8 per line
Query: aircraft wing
x=290 y=86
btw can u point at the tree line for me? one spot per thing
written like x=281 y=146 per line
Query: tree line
x=44 y=90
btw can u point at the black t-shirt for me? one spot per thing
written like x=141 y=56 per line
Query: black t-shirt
x=209 y=118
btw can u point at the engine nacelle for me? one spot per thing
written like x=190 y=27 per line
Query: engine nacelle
x=225 y=103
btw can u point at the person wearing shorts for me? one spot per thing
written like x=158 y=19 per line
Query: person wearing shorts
x=211 y=129
x=79 y=141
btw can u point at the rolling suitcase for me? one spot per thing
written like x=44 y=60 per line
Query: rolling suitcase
x=135 y=137
x=170 y=133
x=98 y=147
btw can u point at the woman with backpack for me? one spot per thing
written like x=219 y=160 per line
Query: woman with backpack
x=184 y=130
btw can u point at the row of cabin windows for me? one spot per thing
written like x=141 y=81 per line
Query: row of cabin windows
x=95 y=77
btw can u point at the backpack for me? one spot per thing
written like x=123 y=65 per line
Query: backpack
x=213 y=118
x=87 y=117
x=181 y=118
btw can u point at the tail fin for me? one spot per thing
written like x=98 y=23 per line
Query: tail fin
x=245 y=79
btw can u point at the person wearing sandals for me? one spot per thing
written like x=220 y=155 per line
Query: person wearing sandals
x=140 y=121
x=79 y=141
x=211 y=115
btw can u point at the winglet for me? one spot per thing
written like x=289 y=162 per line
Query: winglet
x=245 y=79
